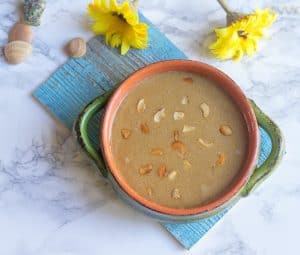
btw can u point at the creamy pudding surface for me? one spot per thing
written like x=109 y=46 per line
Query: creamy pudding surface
x=178 y=139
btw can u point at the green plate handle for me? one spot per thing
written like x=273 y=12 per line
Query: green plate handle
x=260 y=173
x=80 y=131
x=277 y=151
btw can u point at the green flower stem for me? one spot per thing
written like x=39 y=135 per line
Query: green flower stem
x=231 y=15
x=225 y=7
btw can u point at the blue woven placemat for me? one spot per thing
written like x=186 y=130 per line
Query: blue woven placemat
x=79 y=81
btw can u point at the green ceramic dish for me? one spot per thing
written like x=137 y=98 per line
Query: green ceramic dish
x=249 y=178
x=258 y=176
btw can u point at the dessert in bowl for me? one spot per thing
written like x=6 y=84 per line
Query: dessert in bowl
x=179 y=140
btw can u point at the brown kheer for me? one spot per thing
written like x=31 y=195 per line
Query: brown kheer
x=184 y=136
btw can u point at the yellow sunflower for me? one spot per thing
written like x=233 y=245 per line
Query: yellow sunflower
x=241 y=37
x=119 y=23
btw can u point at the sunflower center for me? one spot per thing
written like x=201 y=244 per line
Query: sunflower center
x=242 y=33
x=120 y=16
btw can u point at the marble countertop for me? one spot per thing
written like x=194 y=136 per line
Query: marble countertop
x=49 y=205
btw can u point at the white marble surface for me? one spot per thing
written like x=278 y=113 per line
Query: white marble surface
x=52 y=202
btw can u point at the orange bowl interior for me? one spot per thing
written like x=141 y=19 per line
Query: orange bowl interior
x=221 y=79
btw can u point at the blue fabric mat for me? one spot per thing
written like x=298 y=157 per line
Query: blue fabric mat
x=79 y=81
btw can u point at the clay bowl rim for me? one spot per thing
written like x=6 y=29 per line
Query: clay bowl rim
x=223 y=81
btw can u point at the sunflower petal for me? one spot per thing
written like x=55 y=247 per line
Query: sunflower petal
x=124 y=47
x=119 y=23
x=241 y=37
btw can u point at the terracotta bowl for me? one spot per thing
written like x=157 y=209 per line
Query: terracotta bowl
x=240 y=186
